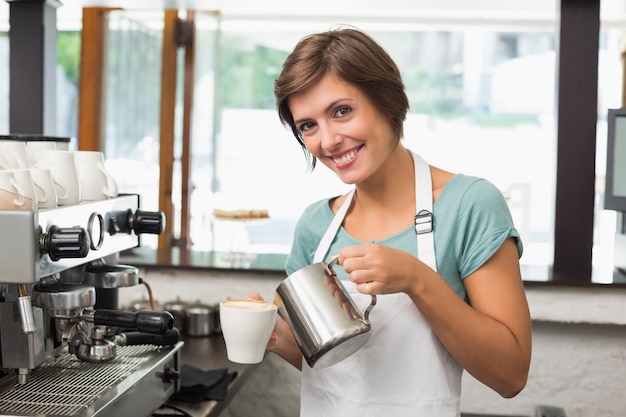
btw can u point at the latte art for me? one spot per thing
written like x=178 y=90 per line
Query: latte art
x=252 y=305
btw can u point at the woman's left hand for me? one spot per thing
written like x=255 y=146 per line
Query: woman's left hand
x=379 y=269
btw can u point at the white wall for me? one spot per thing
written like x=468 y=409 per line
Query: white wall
x=579 y=348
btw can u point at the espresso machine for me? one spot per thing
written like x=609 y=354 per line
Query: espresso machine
x=62 y=351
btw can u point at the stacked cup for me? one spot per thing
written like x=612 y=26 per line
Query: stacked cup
x=40 y=174
x=16 y=187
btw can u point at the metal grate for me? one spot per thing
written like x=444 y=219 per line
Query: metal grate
x=66 y=386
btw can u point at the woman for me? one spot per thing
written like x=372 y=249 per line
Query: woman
x=450 y=292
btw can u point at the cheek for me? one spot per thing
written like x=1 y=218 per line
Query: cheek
x=312 y=144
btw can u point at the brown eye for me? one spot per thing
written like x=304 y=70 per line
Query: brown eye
x=306 y=126
x=343 y=111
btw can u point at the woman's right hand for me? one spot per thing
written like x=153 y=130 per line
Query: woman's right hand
x=282 y=341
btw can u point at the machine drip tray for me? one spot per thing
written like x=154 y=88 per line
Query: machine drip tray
x=65 y=386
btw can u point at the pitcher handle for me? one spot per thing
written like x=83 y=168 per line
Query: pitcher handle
x=366 y=313
x=330 y=271
x=329 y=266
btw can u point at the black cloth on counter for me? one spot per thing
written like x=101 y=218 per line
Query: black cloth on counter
x=198 y=385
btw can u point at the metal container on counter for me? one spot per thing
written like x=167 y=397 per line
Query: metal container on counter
x=202 y=320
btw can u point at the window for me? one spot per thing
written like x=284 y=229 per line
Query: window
x=468 y=74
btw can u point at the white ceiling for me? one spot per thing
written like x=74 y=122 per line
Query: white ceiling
x=70 y=10
x=319 y=7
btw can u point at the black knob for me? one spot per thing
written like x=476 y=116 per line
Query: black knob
x=148 y=222
x=65 y=242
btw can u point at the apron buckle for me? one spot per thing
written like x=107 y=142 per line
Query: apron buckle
x=423 y=222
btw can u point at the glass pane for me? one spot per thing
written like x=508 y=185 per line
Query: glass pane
x=132 y=105
x=470 y=113
x=68 y=68
x=203 y=131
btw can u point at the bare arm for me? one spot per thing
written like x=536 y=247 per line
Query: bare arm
x=491 y=338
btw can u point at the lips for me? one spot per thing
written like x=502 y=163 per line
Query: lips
x=347 y=157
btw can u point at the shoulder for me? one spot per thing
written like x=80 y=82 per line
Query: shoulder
x=473 y=202
x=468 y=189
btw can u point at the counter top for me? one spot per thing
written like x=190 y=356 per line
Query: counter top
x=208 y=353
x=272 y=263
x=190 y=259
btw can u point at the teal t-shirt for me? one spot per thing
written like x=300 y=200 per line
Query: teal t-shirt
x=471 y=220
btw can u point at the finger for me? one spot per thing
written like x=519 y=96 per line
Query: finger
x=366 y=287
x=255 y=296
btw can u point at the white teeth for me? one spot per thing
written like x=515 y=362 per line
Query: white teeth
x=346 y=158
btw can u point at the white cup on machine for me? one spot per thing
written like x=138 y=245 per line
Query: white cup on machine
x=45 y=188
x=63 y=169
x=95 y=181
x=13 y=154
x=17 y=191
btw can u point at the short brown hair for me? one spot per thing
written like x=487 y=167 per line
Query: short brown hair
x=354 y=57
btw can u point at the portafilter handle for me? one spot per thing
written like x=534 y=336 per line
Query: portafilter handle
x=139 y=338
x=155 y=322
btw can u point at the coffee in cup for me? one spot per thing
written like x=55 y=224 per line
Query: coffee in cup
x=247 y=325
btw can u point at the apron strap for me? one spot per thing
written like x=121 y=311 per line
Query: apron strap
x=423 y=218
x=334 y=226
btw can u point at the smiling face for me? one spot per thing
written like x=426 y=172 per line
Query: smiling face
x=342 y=128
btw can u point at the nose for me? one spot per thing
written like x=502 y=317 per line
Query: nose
x=330 y=138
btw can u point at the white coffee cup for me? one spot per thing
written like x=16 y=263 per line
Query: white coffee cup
x=44 y=186
x=25 y=183
x=63 y=169
x=35 y=146
x=246 y=326
x=16 y=194
x=13 y=154
x=95 y=181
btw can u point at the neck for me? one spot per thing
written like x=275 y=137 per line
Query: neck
x=394 y=182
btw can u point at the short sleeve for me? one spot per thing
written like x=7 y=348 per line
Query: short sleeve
x=484 y=223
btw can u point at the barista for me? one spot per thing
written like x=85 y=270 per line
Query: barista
x=460 y=306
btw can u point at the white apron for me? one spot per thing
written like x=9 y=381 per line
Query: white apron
x=403 y=370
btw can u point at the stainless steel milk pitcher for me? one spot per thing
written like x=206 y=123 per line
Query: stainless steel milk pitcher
x=322 y=316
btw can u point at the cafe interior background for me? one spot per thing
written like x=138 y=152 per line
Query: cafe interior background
x=183 y=109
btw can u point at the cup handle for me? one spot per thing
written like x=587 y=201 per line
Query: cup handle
x=329 y=270
x=111 y=189
x=19 y=201
x=43 y=192
x=63 y=194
